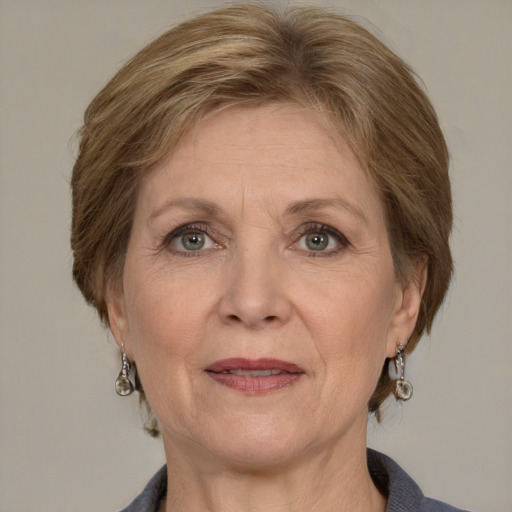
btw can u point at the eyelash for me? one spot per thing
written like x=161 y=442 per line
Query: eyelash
x=316 y=228
x=309 y=228
x=183 y=230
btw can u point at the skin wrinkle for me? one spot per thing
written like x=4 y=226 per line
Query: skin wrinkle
x=337 y=316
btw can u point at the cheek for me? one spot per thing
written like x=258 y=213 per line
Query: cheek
x=350 y=326
x=163 y=315
x=163 y=336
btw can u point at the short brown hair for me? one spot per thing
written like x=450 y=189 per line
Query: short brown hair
x=246 y=55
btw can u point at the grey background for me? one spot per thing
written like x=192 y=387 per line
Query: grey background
x=66 y=441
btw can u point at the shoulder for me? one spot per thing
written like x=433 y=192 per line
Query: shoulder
x=430 y=505
x=149 y=499
x=404 y=495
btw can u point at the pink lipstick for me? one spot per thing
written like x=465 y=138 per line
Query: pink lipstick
x=254 y=376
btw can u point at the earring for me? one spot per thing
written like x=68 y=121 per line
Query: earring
x=124 y=386
x=403 y=388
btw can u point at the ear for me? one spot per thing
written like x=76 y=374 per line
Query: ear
x=407 y=307
x=117 y=317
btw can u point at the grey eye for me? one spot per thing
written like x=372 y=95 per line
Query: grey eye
x=193 y=241
x=317 y=241
x=187 y=239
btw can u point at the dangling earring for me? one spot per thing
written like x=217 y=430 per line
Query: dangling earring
x=403 y=388
x=124 y=386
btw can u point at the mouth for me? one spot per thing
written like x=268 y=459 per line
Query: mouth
x=254 y=376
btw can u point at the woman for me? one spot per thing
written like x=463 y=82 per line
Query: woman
x=261 y=215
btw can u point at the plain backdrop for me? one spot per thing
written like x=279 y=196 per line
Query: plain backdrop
x=67 y=442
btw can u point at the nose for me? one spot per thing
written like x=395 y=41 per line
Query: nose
x=255 y=291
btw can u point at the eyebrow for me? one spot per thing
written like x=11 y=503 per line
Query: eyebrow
x=306 y=206
x=313 y=205
x=188 y=203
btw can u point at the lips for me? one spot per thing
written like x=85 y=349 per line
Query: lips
x=254 y=376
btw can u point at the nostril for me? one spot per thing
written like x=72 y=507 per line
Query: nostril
x=237 y=319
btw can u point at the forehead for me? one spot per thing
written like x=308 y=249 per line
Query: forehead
x=280 y=151
x=269 y=130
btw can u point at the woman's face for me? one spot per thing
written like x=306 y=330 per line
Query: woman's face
x=259 y=299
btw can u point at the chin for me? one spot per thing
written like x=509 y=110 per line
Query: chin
x=260 y=455
x=249 y=444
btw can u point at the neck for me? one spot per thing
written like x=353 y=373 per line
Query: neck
x=333 y=478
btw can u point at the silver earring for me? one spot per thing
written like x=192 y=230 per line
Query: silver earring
x=124 y=386
x=403 y=388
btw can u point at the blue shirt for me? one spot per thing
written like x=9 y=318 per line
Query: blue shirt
x=402 y=492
